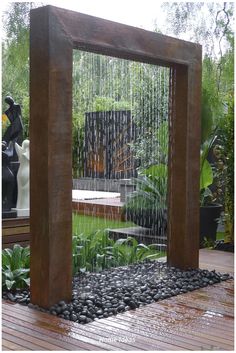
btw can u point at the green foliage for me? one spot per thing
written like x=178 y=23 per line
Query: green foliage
x=15 y=74
x=206 y=172
x=207 y=23
x=75 y=260
x=208 y=243
x=151 y=190
x=97 y=86
x=151 y=184
x=77 y=143
x=96 y=251
x=229 y=151
x=211 y=25
x=226 y=134
x=212 y=97
x=15 y=268
x=150 y=150
x=206 y=115
x=128 y=251
x=16 y=20
x=15 y=57
x=5 y=123
x=102 y=104
x=150 y=86
x=90 y=252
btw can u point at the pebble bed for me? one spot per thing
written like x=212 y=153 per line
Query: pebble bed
x=113 y=291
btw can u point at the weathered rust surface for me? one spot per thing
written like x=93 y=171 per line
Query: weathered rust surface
x=199 y=320
x=183 y=172
x=50 y=169
x=54 y=34
x=115 y=39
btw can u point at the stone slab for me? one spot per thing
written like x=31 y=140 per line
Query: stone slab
x=144 y=235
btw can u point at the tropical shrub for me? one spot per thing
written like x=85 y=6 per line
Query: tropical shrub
x=147 y=206
x=90 y=252
x=206 y=172
x=151 y=189
x=96 y=251
x=126 y=251
x=15 y=268
x=227 y=142
x=151 y=148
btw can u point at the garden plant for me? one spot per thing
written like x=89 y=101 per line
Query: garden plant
x=96 y=251
x=15 y=268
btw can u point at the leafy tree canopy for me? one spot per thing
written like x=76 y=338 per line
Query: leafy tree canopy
x=208 y=23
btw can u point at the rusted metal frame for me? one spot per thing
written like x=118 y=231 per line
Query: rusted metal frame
x=54 y=35
x=110 y=38
x=183 y=171
x=51 y=166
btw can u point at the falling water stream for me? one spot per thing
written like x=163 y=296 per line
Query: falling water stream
x=120 y=120
x=121 y=138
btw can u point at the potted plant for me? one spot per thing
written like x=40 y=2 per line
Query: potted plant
x=146 y=206
x=210 y=210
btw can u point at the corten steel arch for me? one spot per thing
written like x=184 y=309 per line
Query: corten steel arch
x=54 y=33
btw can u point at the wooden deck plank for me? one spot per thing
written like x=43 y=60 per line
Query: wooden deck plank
x=8 y=345
x=198 y=320
x=30 y=336
x=181 y=340
x=42 y=321
x=162 y=327
x=11 y=336
x=158 y=342
x=169 y=321
x=199 y=315
x=20 y=326
x=23 y=314
x=73 y=340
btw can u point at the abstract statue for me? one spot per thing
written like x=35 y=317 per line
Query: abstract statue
x=8 y=182
x=14 y=132
x=23 y=153
x=10 y=164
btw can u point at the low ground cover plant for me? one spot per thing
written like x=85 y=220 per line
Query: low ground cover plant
x=15 y=268
x=90 y=253
x=95 y=252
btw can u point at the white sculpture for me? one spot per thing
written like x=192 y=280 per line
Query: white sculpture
x=23 y=153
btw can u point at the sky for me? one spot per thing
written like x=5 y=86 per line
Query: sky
x=133 y=12
x=139 y=13
x=146 y=14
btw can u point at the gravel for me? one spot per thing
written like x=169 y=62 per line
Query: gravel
x=113 y=291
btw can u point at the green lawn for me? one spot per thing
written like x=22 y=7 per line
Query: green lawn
x=220 y=235
x=89 y=224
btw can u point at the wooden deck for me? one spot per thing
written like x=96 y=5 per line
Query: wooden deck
x=199 y=320
x=15 y=230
